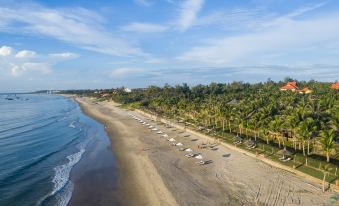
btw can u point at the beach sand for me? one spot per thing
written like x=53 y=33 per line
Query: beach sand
x=155 y=173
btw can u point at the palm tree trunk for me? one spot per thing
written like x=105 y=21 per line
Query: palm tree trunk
x=324 y=180
x=308 y=147
x=278 y=142
x=327 y=156
x=303 y=145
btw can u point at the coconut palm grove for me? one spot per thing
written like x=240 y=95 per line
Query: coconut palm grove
x=273 y=116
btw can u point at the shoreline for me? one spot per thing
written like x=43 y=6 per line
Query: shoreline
x=152 y=169
x=136 y=174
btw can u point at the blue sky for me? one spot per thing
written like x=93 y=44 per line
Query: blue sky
x=102 y=44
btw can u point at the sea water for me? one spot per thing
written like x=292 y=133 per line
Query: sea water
x=42 y=137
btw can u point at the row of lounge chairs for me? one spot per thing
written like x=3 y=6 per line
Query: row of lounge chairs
x=189 y=151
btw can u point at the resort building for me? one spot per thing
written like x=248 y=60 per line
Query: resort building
x=292 y=86
x=127 y=90
x=335 y=86
x=306 y=90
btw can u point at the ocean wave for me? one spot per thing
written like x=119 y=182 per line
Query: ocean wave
x=32 y=127
x=61 y=178
x=62 y=172
x=65 y=196
x=72 y=125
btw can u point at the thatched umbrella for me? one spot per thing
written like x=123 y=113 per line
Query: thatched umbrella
x=284 y=152
x=250 y=142
x=238 y=138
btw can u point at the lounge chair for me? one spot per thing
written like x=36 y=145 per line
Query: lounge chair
x=198 y=156
x=189 y=155
x=188 y=150
x=287 y=159
x=201 y=162
x=182 y=149
x=213 y=145
x=179 y=144
x=237 y=142
x=160 y=132
x=202 y=146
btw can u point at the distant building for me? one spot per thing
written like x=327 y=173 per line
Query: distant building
x=292 y=86
x=335 y=86
x=306 y=90
x=127 y=90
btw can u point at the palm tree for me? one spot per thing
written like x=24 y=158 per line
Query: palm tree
x=275 y=126
x=326 y=170
x=327 y=142
x=305 y=131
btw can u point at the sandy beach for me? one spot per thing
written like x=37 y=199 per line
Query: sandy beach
x=155 y=173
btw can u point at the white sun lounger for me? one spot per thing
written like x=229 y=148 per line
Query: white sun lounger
x=179 y=144
x=188 y=150
x=189 y=155
x=199 y=157
x=172 y=140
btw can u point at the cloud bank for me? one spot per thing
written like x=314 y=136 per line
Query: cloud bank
x=16 y=63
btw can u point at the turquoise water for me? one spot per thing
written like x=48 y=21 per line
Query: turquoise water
x=42 y=137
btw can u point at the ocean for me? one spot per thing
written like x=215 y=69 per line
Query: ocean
x=42 y=138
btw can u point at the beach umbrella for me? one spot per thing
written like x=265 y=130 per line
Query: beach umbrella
x=284 y=152
x=250 y=142
x=238 y=138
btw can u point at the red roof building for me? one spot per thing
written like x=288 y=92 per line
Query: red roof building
x=335 y=85
x=289 y=86
x=306 y=90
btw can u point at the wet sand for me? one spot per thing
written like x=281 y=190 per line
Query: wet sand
x=155 y=173
x=96 y=176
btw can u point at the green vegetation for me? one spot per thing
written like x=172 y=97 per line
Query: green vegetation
x=305 y=124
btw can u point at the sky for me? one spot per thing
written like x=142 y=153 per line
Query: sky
x=82 y=44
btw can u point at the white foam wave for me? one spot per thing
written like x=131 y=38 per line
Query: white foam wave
x=62 y=172
x=64 y=197
x=72 y=125
x=61 y=178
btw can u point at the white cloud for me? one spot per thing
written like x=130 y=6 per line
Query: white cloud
x=27 y=61
x=5 y=51
x=287 y=40
x=188 y=13
x=25 y=54
x=144 y=27
x=65 y=55
x=143 y=2
x=79 y=27
x=19 y=69
x=125 y=71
